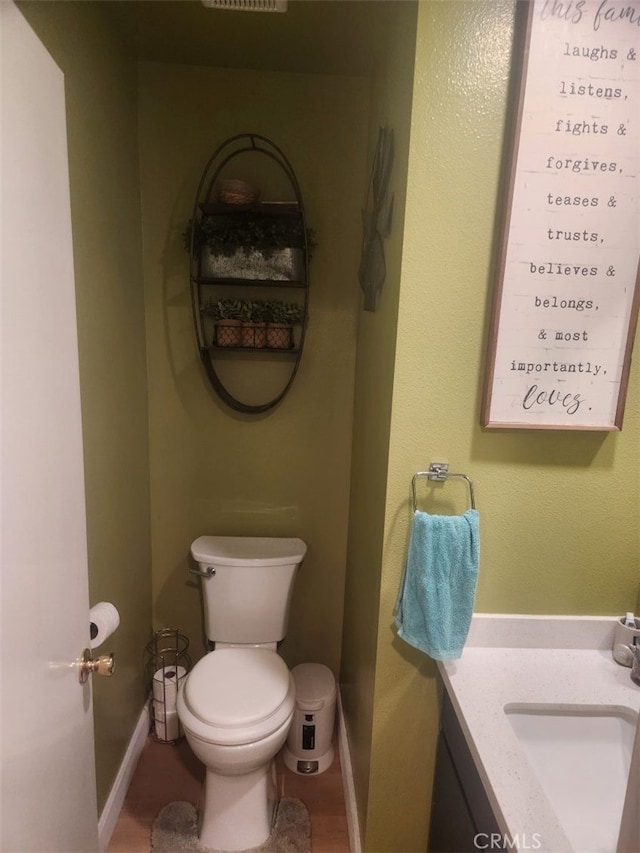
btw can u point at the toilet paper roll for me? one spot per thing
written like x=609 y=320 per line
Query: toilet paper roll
x=167 y=724
x=166 y=683
x=103 y=621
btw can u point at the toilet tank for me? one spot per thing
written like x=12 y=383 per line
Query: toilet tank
x=247 y=598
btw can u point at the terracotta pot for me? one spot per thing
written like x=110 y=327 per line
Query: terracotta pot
x=229 y=333
x=279 y=336
x=254 y=335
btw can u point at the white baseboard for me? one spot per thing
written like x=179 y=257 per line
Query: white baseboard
x=348 y=785
x=112 y=807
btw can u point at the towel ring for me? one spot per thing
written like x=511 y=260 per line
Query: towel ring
x=439 y=471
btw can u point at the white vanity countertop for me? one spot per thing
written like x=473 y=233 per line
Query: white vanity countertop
x=559 y=660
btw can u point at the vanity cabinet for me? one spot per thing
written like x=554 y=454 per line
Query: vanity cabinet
x=462 y=819
x=249 y=259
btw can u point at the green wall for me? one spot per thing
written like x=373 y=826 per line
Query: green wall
x=100 y=89
x=559 y=511
x=215 y=471
x=391 y=90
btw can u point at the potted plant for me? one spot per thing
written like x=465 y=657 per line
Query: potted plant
x=254 y=324
x=294 y=313
x=250 y=244
x=281 y=316
x=227 y=315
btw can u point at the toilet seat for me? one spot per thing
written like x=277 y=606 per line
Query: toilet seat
x=237 y=696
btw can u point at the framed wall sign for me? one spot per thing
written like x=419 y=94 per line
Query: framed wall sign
x=567 y=295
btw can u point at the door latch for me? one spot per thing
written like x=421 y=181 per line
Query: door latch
x=102 y=665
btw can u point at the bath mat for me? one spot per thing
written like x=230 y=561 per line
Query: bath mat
x=176 y=829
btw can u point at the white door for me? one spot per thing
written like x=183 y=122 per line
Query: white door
x=48 y=799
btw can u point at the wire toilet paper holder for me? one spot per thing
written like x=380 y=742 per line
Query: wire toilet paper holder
x=167 y=663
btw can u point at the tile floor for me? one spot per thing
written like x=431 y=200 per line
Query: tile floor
x=166 y=773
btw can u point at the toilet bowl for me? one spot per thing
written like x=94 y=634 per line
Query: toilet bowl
x=236 y=707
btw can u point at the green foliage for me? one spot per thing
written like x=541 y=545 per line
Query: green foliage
x=288 y=313
x=276 y=312
x=223 y=309
x=250 y=231
x=246 y=312
x=292 y=313
x=257 y=311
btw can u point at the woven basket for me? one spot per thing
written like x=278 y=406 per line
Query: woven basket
x=233 y=191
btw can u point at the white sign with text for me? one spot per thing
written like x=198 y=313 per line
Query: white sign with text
x=567 y=302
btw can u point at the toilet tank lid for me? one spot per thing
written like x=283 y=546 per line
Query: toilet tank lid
x=247 y=550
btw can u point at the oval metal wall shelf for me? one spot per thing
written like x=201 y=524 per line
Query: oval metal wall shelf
x=205 y=285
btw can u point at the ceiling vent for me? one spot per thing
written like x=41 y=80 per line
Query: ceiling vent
x=247 y=5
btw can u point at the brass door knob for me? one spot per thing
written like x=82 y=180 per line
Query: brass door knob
x=102 y=665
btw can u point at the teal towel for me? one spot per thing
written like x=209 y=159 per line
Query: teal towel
x=435 y=603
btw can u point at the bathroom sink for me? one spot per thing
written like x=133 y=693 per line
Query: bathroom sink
x=581 y=756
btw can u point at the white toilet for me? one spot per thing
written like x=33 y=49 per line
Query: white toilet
x=237 y=703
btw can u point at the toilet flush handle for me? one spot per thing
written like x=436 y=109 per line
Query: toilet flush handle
x=103 y=665
x=210 y=572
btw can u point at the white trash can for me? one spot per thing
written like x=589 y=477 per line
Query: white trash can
x=309 y=747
